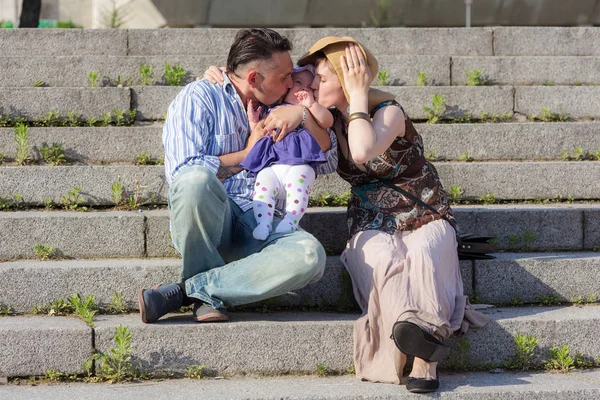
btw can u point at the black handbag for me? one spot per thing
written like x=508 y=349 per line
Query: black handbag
x=470 y=247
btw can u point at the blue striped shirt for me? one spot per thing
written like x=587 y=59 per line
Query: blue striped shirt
x=206 y=121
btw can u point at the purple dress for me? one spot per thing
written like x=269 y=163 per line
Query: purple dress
x=297 y=148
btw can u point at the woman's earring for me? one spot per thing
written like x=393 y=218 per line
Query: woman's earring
x=348 y=109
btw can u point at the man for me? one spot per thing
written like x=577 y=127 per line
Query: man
x=206 y=136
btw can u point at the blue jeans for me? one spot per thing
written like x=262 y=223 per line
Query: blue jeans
x=223 y=265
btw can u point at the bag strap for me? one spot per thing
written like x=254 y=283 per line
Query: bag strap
x=410 y=196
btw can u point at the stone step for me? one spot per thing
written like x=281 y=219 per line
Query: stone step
x=529 y=70
x=482 y=142
x=520 y=181
x=72 y=71
x=403 y=70
x=506 y=180
x=150 y=42
x=26 y=284
x=134 y=234
x=454 y=386
x=514 y=278
x=501 y=41
x=152 y=102
x=271 y=343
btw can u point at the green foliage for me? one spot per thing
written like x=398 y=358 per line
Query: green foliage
x=174 y=75
x=581 y=362
x=73 y=119
x=475 y=78
x=118 y=82
x=466 y=157
x=503 y=117
x=529 y=237
x=5 y=310
x=146 y=75
x=195 y=372
x=53 y=155
x=117 y=191
x=422 y=79
x=430 y=156
x=383 y=78
x=516 y=301
x=44 y=251
x=22 y=140
x=55 y=376
x=525 y=346
x=455 y=194
x=117 y=304
x=465 y=119
x=351 y=370
x=85 y=308
x=144 y=159
x=72 y=201
x=39 y=83
x=322 y=370
x=379 y=18
x=489 y=198
x=549 y=116
x=437 y=110
x=328 y=200
x=459 y=359
x=11 y=202
x=560 y=359
x=115 y=365
x=2 y=158
x=48 y=205
x=93 y=79
x=548 y=300
x=59 y=307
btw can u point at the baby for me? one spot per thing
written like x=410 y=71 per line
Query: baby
x=288 y=166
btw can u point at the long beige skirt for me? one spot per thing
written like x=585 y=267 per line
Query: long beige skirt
x=409 y=276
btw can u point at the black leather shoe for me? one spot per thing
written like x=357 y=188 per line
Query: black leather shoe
x=423 y=385
x=414 y=341
x=159 y=300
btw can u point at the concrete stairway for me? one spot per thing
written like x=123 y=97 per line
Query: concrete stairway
x=548 y=247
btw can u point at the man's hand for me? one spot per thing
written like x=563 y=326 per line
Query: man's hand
x=283 y=120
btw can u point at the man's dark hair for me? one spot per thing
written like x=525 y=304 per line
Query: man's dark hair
x=255 y=44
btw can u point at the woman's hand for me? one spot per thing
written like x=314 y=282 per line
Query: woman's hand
x=214 y=75
x=357 y=75
x=283 y=120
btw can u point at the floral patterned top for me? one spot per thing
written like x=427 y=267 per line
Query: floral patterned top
x=375 y=206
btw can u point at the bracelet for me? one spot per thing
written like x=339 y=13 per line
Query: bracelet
x=303 y=117
x=358 y=115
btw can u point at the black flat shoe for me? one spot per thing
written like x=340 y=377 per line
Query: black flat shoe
x=423 y=385
x=414 y=341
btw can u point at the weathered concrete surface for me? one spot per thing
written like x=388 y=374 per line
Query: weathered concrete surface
x=530 y=277
x=32 y=345
x=38 y=183
x=454 y=386
x=55 y=42
x=575 y=102
x=72 y=234
x=91 y=144
x=87 y=102
x=525 y=70
x=380 y=41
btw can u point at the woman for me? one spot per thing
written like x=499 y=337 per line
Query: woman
x=401 y=256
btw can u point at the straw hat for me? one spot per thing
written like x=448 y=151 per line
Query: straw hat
x=333 y=47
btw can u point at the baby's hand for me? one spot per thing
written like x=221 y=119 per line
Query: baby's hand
x=253 y=115
x=305 y=98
